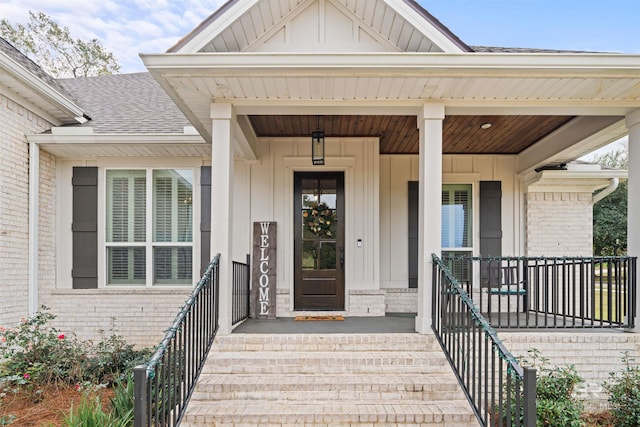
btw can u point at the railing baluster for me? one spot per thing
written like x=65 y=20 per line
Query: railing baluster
x=164 y=385
x=549 y=292
x=490 y=376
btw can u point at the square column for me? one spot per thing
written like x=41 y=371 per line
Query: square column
x=430 y=207
x=633 y=196
x=222 y=208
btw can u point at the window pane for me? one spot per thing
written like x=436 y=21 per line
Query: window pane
x=172 y=205
x=126 y=206
x=126 y=265
x=456 y=216
x=172 y=265
x=309 y=255
x=327 y=255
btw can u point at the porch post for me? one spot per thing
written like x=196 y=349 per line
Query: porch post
x=633 y=197
x=430 y=205
x=222 y=207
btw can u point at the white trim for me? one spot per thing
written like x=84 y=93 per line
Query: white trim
x=116 y=139
x=301 y=164
x=34 y=223
x=215 y=28
x=547 y=65
x=434 y=34
x=148 y=165
x=43 y=89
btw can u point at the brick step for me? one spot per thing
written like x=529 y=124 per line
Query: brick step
x=326 y=342
x=329 y=413
x=327 y=380
x=328 y=387
x=307 y=362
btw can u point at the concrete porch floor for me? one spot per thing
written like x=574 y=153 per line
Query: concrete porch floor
x=400 y=323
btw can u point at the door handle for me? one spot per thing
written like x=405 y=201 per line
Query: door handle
x=342 y=258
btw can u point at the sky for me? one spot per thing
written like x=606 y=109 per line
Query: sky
x=129 y=27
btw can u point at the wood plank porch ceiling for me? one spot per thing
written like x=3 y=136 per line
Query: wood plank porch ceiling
x=399 y=134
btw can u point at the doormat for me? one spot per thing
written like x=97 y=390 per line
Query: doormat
x=319 y=318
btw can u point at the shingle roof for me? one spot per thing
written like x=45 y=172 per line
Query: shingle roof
x=126 y=103
x=24 y=61
x=494 y=49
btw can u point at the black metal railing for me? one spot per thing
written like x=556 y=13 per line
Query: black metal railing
x=164 y=385
x=501 y=392
x=241 y=291
x=550 y=292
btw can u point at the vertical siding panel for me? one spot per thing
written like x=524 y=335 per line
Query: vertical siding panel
x=385 y=219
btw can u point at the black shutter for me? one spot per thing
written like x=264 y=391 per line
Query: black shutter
x=490 y=218
x=490 y=223
x=413 y=233
x=205 y=217
x=85 y=228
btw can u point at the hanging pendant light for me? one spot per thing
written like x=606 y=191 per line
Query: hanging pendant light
x=317 y=145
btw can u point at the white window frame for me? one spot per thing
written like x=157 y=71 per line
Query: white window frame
x=149 y=244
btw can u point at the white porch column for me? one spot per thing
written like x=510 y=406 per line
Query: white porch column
x=222 y=207
x=430 y=206
x=633 y=197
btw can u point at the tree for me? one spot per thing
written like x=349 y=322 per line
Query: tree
x=610 y=214
x=51 y=47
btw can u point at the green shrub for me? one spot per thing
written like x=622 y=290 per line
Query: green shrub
x=624 y=393
x=34 y=354
x=555 y=404
x=41 y=354
x=112 y=359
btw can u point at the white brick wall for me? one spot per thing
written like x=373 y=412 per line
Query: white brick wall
x=401 y=300
x=559 y=224
x=366 y=302
x=594 y=355
x=140 y=316
x=15 y=122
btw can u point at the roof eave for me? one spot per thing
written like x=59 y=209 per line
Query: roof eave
x=49 y=95
x=512 y=64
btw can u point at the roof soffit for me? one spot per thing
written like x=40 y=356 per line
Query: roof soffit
x=320 y=26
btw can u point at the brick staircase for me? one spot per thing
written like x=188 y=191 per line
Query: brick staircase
x=327 y=380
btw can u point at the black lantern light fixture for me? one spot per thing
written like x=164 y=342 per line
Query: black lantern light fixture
x=317 y=145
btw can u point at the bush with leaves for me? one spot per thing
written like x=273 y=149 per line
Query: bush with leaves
x=35 y=353
x=624 y=393
x=41 y=354
x=556 y=405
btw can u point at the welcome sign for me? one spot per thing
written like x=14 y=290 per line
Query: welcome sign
x=263 y=276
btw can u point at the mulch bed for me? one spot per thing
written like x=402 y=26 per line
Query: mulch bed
x=46 y=409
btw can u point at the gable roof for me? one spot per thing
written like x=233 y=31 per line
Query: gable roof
x=238 y=25
x=127 y=104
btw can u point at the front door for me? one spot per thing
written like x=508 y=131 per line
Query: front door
x=319 y=241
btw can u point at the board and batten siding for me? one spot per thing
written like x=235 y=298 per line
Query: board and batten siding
x=272 y=200
x=397 y=170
